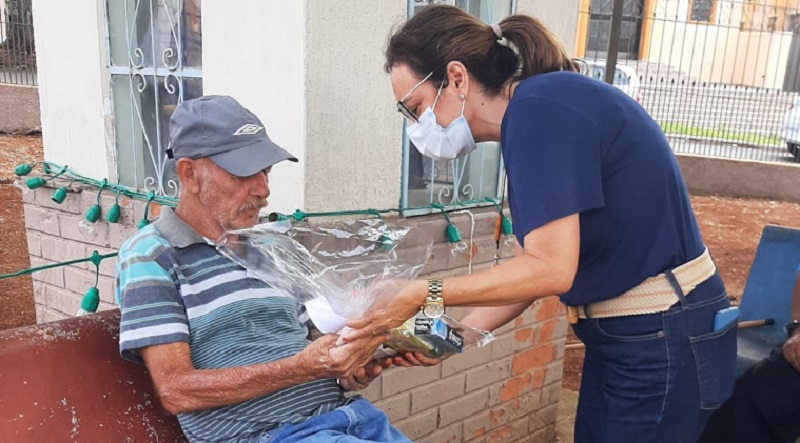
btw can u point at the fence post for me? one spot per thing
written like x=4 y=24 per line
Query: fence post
x=613 y=41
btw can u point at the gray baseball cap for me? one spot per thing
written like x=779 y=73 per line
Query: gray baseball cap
x=217 y=127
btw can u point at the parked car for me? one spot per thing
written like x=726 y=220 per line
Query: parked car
x=791 y=129
x=625 y=77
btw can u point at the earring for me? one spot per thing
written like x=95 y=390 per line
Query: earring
x=462 y=96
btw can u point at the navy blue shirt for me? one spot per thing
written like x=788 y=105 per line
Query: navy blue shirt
x=574 y=145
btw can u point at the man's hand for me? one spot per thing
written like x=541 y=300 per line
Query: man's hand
x=362 y=377
x=791 y=349
x=324 y=359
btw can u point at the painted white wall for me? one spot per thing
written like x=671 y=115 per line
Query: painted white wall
x=560 y=16
x=254 y=51
x=73 y=84
x=354 y=132
x=3 y=18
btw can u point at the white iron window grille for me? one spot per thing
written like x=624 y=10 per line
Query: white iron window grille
x=155 y=63
x=474 y=177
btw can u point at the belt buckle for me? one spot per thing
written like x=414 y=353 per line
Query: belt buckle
x=572 y=315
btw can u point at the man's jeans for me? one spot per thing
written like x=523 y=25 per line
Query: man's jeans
x=355 y=422
x=656 y=377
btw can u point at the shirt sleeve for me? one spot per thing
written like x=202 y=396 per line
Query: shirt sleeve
x=151 y=308
x=553 y=156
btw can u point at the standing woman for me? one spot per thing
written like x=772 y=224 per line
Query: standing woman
x=600 y=210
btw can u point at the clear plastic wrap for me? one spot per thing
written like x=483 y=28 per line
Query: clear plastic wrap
x=339 y=272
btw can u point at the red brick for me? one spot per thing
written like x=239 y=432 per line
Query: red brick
x=547 y=308
x=546 y=330
x=532 y=358
x=523 y=335
x=538 y=378
x=514 y=387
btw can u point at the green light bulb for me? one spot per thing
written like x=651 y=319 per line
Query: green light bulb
x=507 y=227
x=112 y=216
x=453 y=236
x=93 y=214
x=386 y=242
x=277 y=216
x=91 y=300
x=35 y=182
x=23 y=169
x=60 y=195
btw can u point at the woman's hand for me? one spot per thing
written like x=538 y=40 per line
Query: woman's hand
x=391 y=315
x=410 y=359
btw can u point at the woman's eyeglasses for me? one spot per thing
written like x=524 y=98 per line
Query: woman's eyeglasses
x=401 y=104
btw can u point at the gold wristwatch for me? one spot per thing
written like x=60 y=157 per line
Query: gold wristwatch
x=434 y=303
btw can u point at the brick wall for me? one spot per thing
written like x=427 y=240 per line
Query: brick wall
x=505 y=392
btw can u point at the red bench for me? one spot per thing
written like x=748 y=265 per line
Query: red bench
x=64 y=381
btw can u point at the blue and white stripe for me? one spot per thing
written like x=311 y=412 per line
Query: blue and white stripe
x=193 y=294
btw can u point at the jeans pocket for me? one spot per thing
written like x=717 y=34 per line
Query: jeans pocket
x=715 y=358
x=630 y=329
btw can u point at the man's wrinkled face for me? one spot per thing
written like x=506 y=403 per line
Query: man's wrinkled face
x=234 y=202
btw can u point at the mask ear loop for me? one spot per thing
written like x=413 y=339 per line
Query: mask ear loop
x=438 y=93
x=463 y=103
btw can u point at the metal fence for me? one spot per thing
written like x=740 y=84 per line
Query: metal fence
x=719 y=76
x=17 y=49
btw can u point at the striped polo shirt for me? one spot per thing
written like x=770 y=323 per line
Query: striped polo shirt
x=173 y=286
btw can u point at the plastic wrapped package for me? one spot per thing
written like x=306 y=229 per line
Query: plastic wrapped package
x=340 y=272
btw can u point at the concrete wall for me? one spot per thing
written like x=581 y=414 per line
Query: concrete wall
x=354 y=133
x=74 y=84
x=738 y=178
x=262 y=64
x=560 y=16
x=505 y=392
x=19 y=109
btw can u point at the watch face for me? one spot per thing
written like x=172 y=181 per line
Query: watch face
x=433 y=310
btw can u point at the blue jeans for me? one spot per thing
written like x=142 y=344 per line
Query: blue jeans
x=355 y=422
x=656 y=377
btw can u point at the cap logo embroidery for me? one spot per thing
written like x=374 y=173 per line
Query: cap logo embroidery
x=248 y=129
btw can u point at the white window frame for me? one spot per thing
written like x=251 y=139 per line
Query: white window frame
x=137 y=147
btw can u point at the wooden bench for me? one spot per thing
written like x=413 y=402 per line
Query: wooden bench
x=65 y=381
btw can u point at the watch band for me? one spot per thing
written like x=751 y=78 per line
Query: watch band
x=434 y=288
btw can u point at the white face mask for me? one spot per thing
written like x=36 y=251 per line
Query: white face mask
x=434 y=141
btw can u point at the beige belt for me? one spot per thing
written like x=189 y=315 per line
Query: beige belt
x=653 y=295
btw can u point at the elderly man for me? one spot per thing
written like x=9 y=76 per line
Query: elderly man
x=765 y=405
x=226 y=352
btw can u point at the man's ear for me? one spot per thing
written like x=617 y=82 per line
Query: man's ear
x=189 y=175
